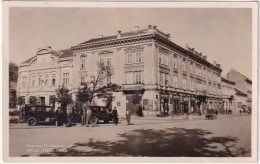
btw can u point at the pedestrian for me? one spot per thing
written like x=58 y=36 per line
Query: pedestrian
x=115 y=116
x=216 y=112
x=59 y=117
x=128 y=116
x=240 y=111
x=88 y=116
x=83 y=114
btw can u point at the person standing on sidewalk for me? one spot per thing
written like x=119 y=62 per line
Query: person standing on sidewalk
x=128 y=116
x=88 y=115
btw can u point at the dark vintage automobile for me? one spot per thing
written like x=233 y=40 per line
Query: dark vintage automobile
x=102 y=113
x=211 y=114
x=36 y=114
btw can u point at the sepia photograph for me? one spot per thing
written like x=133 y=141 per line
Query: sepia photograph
x=150 y=81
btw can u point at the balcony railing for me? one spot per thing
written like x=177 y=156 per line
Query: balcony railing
x=132 y=86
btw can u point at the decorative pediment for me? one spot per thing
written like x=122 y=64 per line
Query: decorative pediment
x=43 y=51
x=105 y=53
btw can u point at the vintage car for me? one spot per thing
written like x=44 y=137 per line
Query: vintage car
x=211 y=115
x=36 y=114
x=101 y=113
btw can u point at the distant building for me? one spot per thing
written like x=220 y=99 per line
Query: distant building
x=228 y=95
x=243 y=85
x=144 y=61
x=241 y=101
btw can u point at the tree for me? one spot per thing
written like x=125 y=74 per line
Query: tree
x=92 y=89
x=33 y=100
x=63 y=96
x=13 y=75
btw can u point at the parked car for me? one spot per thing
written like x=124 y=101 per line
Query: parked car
x=101 y=113
x=211 y=114
x=35 y=114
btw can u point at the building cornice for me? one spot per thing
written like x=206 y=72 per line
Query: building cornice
x=154 y=37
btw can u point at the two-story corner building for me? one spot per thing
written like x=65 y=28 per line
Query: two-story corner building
x=144 y=61
x=45 y=72
x=243 y=85
x=228 y=96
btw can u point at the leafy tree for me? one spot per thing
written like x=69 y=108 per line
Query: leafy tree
x=13 y=75
x=63 y=96
x=33 y=100
x=92 y=89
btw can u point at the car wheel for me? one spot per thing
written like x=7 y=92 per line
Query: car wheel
x=94 y=120
x=32 y=121
x=106 y=121
x=67 y=123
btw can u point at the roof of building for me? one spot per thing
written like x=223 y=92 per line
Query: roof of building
x=228 y=81
x=99 y=39
x=66 y=53
x=246 y=78
x=166 y=37
x=61 y=54
x=240 y=92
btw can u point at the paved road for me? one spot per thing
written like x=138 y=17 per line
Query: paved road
x=223 y=137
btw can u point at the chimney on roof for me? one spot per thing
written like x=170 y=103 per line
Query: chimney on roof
x=169 y=36
x=101 y=36
x=149 y=26
x=136 y=28
x=154 y=27
x=49 y=47
x=119 y=34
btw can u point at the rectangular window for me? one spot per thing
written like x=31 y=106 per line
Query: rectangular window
x=184 y=67
x=40 y=80
x=129 y=77
x=174 y=63
x=161 y=78
x=175 y=80
x=102 y=61
x=65 y=78
x=138 y=77
x=108 y=61
x=184 y=83
x=24 y=81
x=82 y=79
x=109 y=79
x=53 y=80
x=138 y=57
x=129 y=58
x=46 y=80
x=160 y=58
x=166 y=81
x=83 y=61
x=33 y=81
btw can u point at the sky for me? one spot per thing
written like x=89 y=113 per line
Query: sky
x=223 y=34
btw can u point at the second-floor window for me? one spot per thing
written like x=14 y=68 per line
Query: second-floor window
x=65 y=78
x=134 y=57
x=83 y=63
x=24 y=81
x=46 y=80
x=82 y=79
x=166 y=80
x=109 y=79
x=161 y=78
x=40 y=80
x=53 y=80
x=175 y=63
x=109 y=62
x=33 y=81
x=175 y=79
x=183 y=66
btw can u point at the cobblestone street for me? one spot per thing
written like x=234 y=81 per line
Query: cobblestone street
x=227 y=136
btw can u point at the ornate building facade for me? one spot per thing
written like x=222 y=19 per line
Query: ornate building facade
x=144 y=62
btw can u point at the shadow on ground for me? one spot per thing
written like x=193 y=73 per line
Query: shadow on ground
x=173 y=142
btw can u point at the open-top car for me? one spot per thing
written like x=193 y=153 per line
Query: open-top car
x=35 y=114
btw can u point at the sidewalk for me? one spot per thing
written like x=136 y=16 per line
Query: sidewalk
x=192 y=117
